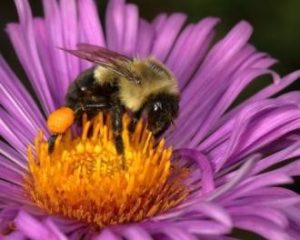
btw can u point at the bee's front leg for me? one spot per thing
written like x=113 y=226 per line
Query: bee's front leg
x=134 y=120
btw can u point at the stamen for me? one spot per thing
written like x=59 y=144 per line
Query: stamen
x=83 y=177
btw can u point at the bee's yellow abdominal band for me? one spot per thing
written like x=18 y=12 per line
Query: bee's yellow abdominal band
x=84 y=179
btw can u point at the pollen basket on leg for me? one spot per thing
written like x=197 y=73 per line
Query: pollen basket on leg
x=84 y=178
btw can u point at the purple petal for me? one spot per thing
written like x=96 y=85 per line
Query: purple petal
x=56 y=58
x=18 y=128
x=22 y=37
x=54 y=230
x=261 y=226
x=293 y=213
x=16 y=100
x=204 y=227
x=276 y=87
x=207 y=181
x=263 y=94
x=177 y=234
x=274 y=135
x=131 y=29
x=11 y=166
x=211 y=80
x=268 y=213
x=285 y=154
x=260 y=181
x=13 y=156
x=135 y=232
x=217 y=59
x=32 y=228
x=166 y=36
x=261 y=130
x=90 y=24
x=68 y=12
x=159 y=21
x=274 y=192
x=215 y=212
x=268 y=123
x=77 y=235
x=16 y=235
x=241 y=174
x=184 y=61
x=9 y=213
x=145 y=38
x=45 y=57
x=220 y=135
x=11 y=193
x=226 y=100
x=115 y=24
x=294 y=233
x=202 y=209
x=264 y=200
x=293 y=97
x=106 y=234
x=11 y=138
x=291 y=170
x=67 y=226
x=10 y=174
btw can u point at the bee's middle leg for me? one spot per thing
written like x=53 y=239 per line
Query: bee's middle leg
x=80 y=109
x=88 y=109
x=51 y=142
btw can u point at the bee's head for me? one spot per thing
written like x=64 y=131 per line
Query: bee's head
x=161 y=110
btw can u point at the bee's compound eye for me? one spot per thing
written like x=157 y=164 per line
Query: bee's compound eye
x=60 y=120
x=157 y=106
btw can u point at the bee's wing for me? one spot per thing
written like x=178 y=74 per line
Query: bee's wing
x=116 y=62
x=102 y=52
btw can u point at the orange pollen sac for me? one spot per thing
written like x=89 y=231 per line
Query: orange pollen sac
x=60 y=120
x=85 y=179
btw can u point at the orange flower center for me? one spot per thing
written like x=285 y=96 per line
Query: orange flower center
x=85 y=179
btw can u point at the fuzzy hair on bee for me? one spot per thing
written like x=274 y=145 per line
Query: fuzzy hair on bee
x=154 y=77
x=118 y=83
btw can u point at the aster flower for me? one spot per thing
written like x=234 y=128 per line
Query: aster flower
x=238 y=159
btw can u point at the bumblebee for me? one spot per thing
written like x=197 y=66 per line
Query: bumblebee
x=116 y=84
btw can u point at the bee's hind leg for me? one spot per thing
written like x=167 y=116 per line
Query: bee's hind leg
x=117 y=126
x=116 y=118
x=51 y=142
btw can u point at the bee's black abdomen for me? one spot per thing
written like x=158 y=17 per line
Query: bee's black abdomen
x=86 y=95
x=78 y=90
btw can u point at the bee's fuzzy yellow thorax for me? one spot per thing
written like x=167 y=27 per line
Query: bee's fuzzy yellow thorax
x=155 y=79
